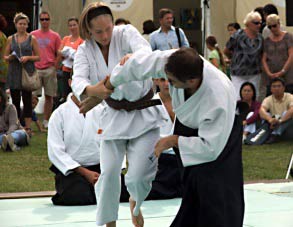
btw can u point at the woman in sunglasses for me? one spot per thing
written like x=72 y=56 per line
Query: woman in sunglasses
x=245 y=50
x=278 y=53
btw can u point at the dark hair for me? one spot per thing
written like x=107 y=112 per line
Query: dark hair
x=121 y=21
x=185 y=64
x=270 y=9
x=72 y=19
x=251 y=86
x=260 y=11
x=148 y=27
x=278 y=79
x=165 y=11
x=234 y=25
x=212 y=41
x=3 y=102
x=3 y=22
x=44 y=12
x=91 y=11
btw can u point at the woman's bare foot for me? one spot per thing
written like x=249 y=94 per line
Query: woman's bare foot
x=137 y=221
x=111 y=224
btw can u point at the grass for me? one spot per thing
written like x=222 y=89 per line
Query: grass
x=27 y=170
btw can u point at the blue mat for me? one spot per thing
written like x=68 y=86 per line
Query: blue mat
x=264 y=208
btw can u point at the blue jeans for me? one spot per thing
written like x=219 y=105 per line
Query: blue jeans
x=19 y=137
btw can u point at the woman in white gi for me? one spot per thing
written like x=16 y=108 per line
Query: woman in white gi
x=132 y=131
x=209 y=143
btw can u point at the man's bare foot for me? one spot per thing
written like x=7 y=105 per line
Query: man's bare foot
x=137 y=221
x=111 y=224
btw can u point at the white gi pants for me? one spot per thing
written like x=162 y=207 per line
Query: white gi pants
x=141 y=172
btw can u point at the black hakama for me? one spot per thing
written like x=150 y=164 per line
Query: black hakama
x=213 y=192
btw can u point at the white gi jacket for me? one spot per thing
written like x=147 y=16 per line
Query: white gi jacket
x=90 y=67
x=211 y=109
x=72 y=138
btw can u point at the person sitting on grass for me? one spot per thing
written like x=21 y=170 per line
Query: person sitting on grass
x=248 y=95
x=12 y=135
x=277 y=110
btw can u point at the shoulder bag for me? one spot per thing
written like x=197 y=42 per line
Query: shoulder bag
x=29 y=81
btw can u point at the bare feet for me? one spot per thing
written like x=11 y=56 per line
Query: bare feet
x=137 y=221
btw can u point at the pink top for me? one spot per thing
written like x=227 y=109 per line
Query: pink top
x=49 y=43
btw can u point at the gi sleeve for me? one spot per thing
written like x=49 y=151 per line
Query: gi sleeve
x=141 y=66
x=209 y=143
x=56 y=146
x=81 y=69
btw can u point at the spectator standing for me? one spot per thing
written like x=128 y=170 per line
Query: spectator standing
x=268 y=10
x=49 y=42
x=263 y=20
x=277 y=59
x=22 y=50
x=248 y=95
x=12 y=134
x=165 y=37
x=244 y=48
x=277 y=109
x=215 y=56
x=67 y=50
x=121 y=21
x=233 y=27
x=3 y=63
x=148 y=27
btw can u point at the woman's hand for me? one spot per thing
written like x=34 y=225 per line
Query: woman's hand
x=9 y=58
x=165 y=143
x=24 y=59
x=125 y=58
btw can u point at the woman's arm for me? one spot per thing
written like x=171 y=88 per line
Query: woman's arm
x=265 y=65
x=7 y=56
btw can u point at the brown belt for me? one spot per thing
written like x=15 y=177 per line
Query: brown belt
x=140 y=104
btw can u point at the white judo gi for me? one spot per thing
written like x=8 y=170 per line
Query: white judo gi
x=198 y=111
x=135 y=132
x=72 y=137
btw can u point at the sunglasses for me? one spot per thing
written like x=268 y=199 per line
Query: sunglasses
x=256 y=22
x=272 y=26
x=44 y=19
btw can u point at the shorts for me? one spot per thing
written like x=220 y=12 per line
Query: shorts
x=48 y=79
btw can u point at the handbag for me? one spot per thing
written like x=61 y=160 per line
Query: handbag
x=29 y=81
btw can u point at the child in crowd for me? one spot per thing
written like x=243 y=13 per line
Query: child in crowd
x=35 y=101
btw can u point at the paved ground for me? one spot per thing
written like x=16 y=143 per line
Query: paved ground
x=267 y=205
